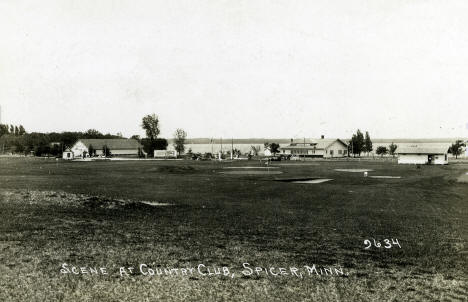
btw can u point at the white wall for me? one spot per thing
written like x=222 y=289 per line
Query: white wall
x=336 y=146
x=412 y=159
x=440 y=160
x=78 y=149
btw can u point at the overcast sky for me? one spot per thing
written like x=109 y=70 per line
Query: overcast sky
x=237 y=68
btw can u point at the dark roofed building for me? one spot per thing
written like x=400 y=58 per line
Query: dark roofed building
x=117 y=147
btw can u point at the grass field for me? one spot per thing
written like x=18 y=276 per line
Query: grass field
x=89 y=214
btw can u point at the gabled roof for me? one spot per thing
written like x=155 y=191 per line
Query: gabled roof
x=111 y=143
x=318 y=144
x=421 y=150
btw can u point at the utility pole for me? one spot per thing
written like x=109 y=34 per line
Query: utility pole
x=304 y=149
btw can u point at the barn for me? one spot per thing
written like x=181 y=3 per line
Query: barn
x=422 y=155
x=121 y=147
x=326 y=148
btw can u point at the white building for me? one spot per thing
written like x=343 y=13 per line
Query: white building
x=67 y=154
x=165 y=154
x=422 y=155
x=327 y=148
x=117 y=147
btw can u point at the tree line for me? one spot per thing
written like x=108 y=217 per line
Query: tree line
x=41 y=144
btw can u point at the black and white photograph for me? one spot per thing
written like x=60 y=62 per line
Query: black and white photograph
x=234 y=150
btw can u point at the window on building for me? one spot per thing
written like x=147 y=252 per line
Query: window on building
x=68 y=155
x=340 y=151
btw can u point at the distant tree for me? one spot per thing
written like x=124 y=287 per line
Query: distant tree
x=119 y=134
x=19 y=147
x=12 y=129
x=367 y=144
x=141 y=153
x=392 y=148
x=236 y=153
x=16 y=131
x=91 y=150
x=55 y=150
x=92 y=133
x=3 y=130
x=106 y=151
x=179 y=140
x=22 y=131
x=381 y=150
x=357 y=143
x=150 y=123
x=157 y=144
x=457 y=148
x=135 y=137
x=255 y=150
x=274 y=148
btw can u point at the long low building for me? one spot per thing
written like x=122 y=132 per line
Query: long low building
x=422 y=155
x=327 y=148
x=116 y=146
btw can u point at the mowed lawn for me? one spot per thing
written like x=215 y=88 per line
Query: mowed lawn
x=219 y=219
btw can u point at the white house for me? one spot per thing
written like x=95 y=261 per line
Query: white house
x=326 y=148
x=422 y=155
x=117 y=146
x=67 y=154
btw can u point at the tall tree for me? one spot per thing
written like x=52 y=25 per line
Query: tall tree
x=150 y=124
x=91 y=150
x=3 y=129
x=106 y=151
x=22 y=131
x=457 y=148
x=392 y=148
x=179 y=140
x=16 y=131
x=367 y=143
x=12 y=129
x=357 y=143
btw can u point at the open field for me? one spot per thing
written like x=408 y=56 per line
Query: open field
x=90 y=214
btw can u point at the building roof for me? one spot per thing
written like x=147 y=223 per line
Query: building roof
x=421 y=150
x=111 y=143
x=318 y=144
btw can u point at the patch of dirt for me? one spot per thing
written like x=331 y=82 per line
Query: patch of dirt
x=72 y=200
x=463 y=178
x=250 y=172
x=173 y=169
x=250 y=167
x=354 y=170
x=309 y=180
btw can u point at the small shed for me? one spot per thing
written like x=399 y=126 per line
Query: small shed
x=67 y=154
x=422 y=155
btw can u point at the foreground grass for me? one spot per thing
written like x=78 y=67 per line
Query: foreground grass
x=226 y=220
